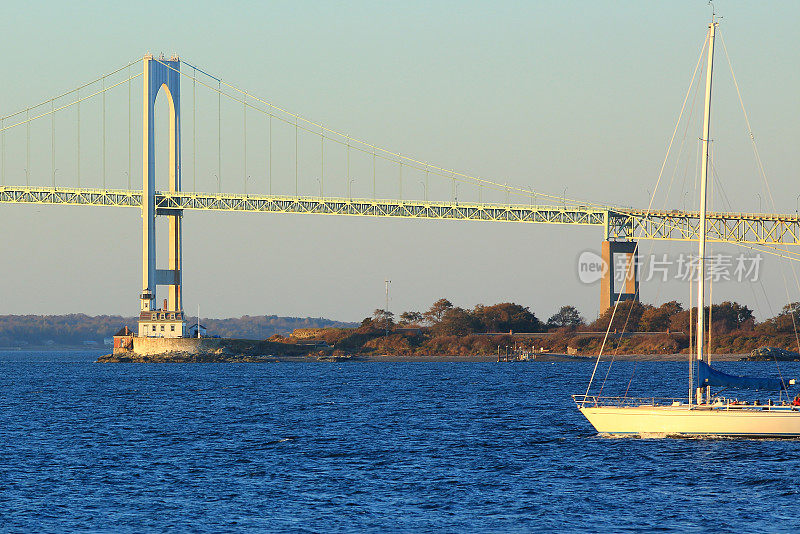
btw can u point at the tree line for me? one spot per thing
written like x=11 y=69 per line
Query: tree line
x=448 y=329
x=76 y=329
x=443 y=318
x=731 y=324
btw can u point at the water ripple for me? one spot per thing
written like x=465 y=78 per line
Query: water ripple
x=370 y=447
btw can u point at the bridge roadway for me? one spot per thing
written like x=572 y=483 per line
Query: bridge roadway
x=617 y=223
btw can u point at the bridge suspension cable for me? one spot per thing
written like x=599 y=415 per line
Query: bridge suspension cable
x=53 y=109
x=302 y=124
x=75 y=90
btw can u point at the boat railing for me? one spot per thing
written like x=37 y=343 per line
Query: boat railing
x=719 y=403
x=597 y=400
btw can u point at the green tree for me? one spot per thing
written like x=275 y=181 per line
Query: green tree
x=567 y=316
x=729 y=316
x=506 y=316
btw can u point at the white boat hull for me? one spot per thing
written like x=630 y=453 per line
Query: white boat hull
x=683 y=421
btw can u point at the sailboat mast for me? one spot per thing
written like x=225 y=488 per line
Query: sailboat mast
x=701 y=265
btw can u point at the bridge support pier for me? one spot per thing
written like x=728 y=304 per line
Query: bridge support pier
x=168 y=321
x=619 y=274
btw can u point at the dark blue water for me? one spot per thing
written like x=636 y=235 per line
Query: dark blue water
x=363 y=447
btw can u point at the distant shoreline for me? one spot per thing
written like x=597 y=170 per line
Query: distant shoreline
x=549 y=358
x=50 y=348
x=391 y=358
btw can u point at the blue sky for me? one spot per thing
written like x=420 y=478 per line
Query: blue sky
x=581 y=96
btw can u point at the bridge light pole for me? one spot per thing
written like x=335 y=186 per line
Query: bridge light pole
x=564 y=198
x=126 y=173
x=27 y=178
x=456 y=193
x=349 y=190
x=759 y=202
x=320 y=187
x=54 y=177
x=797 y=204
x=424 y=189
x=219 y=187
x=247 y=179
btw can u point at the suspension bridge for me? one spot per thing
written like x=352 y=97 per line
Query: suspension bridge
x=329 y=154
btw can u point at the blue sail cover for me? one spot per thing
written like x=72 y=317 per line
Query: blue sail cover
x=711 y=377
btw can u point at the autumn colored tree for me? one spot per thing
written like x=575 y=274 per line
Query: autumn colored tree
x=725 y=318
x=626 y=318
x=437 y=310
x=679 y=322
x=383 y=319
x=411 y=317
x=658 y=319
x=787 y=321
x=455 y=321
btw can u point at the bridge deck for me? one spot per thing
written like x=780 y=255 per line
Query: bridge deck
x=751 y=228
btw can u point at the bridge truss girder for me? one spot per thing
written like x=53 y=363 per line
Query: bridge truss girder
x=724 y=227
x=381 y=208
x=747 y=228
x=72 y=197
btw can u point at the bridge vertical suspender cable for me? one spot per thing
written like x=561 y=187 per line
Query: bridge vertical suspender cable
x=103 y=85
x=296 y=182
x=27 y=148
x=360 y=145
x=348 y=167
x=219 y=137
x=53 y=141
x=78 y=136
x=194 y=131
x=244 y=136
x=39 y=110
x=401 y=180
x=270 y=109
x=269 y=169
x=322 y=163
x=129 y=127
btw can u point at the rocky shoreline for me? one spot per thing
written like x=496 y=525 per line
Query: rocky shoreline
x=335 y=345
x=224 y=356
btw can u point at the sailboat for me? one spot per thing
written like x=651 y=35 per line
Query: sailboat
x=706 y=414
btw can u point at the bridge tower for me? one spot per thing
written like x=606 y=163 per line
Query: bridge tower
x=161 y=74
x=629 y=274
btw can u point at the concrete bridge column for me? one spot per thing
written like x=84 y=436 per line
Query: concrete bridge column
x=611 y=288
x=161 y=74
